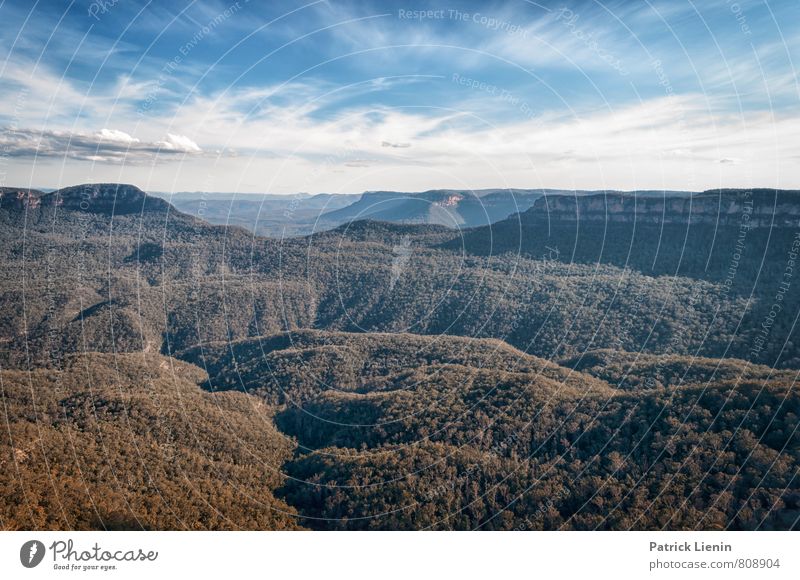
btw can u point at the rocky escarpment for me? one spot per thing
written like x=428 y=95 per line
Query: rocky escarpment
x=723 y=207
x=98 y=198
x=106 y=198
x=723 y=236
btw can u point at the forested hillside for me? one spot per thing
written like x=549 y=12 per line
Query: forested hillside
x=147 y=273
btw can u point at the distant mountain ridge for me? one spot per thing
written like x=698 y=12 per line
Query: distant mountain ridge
x=302 y=214
x=448 y=207
x=458 y=208
x=290 y=215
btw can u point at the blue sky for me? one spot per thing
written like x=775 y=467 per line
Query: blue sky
x=352 y=96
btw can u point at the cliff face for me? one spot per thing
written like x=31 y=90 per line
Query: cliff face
x=753 y=208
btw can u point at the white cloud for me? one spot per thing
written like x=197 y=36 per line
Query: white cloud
x=179 y=143
x=116 y=136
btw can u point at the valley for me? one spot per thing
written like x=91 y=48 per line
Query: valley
x=588 y=362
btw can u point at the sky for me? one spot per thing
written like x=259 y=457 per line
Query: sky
x=351 y=96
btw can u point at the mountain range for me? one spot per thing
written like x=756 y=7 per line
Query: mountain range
x=598 y=361
x=282 y=215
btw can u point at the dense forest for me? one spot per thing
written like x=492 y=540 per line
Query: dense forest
x=590 y=363
x=130 y=442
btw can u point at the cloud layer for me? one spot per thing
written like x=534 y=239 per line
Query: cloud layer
x=104 y=146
